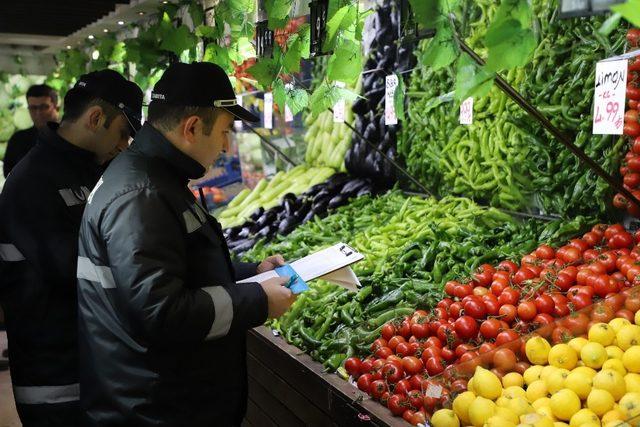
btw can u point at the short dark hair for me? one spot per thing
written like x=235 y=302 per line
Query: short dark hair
x=166 y=117
x=43 y=90
x=78 y=100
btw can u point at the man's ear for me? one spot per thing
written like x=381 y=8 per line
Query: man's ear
x=95 y=117
x=189 y=128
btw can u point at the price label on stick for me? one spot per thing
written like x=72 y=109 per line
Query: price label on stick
x=339 y=108
x=268 y=110
x=390 y=117
x=288 y=115
x=466 y=112
x=609 y=97
x=238 y=123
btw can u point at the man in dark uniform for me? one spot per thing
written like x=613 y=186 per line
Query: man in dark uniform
x=162 y=320
x=42 y=102
x=41 y=207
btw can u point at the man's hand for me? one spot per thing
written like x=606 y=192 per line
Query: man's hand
x=280 y=297
x=271 y=263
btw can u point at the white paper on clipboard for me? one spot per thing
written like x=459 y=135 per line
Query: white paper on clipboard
x=332 y=264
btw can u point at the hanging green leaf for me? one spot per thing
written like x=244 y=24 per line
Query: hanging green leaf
x=472 y=80
x=520 y=10
x=345 y=64
x=265 y=71
x=304 y=35
x=118 y=54
x=278 y=12
x=170 y=9
x=343 y=19
x=509 y=45
x=218 y=55
x=362 y=17
x=326 y=96
x=629 y=11
x=206 y=31
x=178 y=40
x=426 y=12
x=197 y=13
x=398 y=99
x=279 y=94
x=442 y=49
x=297 y=100
x=610 y=24
x=292 y=57
x=242 y=49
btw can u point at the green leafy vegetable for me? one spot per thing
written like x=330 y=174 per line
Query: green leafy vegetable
x=265 y=71
x=509 y=45
x=471 y=80
x=629 y=11
x=346 y=64
x=442 y=49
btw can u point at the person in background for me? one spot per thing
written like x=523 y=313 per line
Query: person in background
x=42 y=102
x=41 y=207
x=163 y=322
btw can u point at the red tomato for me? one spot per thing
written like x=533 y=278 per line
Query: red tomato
x=441 y=313
x=581 y=301
x=433 y=342
x=412 y=365
x=366 y=366
x=579 y=244
x=508 y=312
x=483 y=278
x=583 y=275
x=475 y=309
x=543 y=319
x=570 y=254
x=604 y=286
x=397 y=404
x=445 y=303
x=353 y=365
x=470 y=355
x=492 y=306
x=527 y=310
x=490 y=328
x=392 y=372
x=377 y=389
x=592 y=239
x=419 y=418
x=406 y=349
x=395 y=340
x=420 y=330
x=379 y=343
x=544 y=304
x=545 y=252
x=405 y=329
x=466 y=327
x=462 y=291
x=504 y=360
x=620 y=240
x=521 y=367
x=616 y=301
x=598 y=267
x=480 y=291
x=625 y=314
x=486 y=347
x=523 y=275
x=631 y=180
x=402 y=387
x=383 y=352
x=388 y=331
x=430 y=352
x=455 y=310
x=506 y=336
x=561 y=335
x=509 y=266
x=577 y=323
x=435 y=366
x=415 y=399
x=509 y=296
x=448 y=354
x=450 y=287
x=364 y=382
x=632 y=303
x=613 y=229
x=497 y=286
x=608 y=259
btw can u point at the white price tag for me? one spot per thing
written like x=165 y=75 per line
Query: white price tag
x=238 y=123
x=433 y=390
x=339 y=108
x=268 y=110
x=609 y=97
x=390 y=117
x=288 y=115
x=466 y=112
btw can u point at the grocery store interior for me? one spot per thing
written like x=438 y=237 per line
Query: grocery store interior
x=433 y=217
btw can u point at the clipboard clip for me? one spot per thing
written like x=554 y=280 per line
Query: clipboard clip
x=346 y=250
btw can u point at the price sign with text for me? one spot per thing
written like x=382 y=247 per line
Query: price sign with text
x=466 y=112
x=268 y=110
x=390 y=117
x=288 y=115
x=609 y=97
x=238 y=123
x=339 y=108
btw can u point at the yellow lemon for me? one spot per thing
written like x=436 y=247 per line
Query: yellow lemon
x=617 y=423
x=444 y=418
x=631 y=359
x=512 y=379
x=600 y=401
x=546 y=371
x=555 y=381
x=614 y=352
x=537 y=350
x=590 y=372
x=602 y=333
x=470 y=386
x=564 y=404
x=536 y=420
x=637 y=318
x=532 y=374
x=547 y=412
x=632 y=382
x=486 y=384
x=628 y=336
x=583 y=417
x=513 y=392
x=612 y=381
x=537 y=390
x=497 y=421
x=461 y=406
x=616 y=365
x=579 y=383
x=630 y=407
x=560 y=424
x=612 y=415
x=507 y=414
x=593 y=355
x=481 y=410
x=543 y=401
x=563 y=356
x=503 y=401
x=577 y=343
x=617 y=323
x=520 y=406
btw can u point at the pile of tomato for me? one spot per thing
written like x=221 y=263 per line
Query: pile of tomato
x=498 y=306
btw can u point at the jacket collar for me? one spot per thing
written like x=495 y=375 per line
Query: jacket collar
x=50 y=138
x=149 y=141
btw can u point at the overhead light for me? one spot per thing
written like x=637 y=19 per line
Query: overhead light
x=120 y=22
x=68 y=47
x=91 y=37
x=95 y=55
x=165 y=2
x=106 y=30
x=141 y=13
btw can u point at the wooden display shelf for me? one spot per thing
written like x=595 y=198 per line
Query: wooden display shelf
x=288 y=388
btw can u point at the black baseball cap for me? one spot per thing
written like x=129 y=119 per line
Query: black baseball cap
x=113 y=88
x=199 y=84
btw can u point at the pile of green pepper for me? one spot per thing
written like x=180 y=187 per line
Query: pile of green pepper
x=412 y=246
x=505 y=158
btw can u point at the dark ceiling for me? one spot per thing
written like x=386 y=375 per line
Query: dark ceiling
x=52 y=17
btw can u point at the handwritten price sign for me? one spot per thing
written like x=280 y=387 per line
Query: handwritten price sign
x=466 y=112
x=339 y=108
x=609 y=97
x=390 y=117
x=268 y=110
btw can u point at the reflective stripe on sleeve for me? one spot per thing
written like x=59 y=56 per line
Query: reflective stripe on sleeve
x=10 y=253
x=95 y=273
x=191 y=222
x=223 y=311
x=34 y=395
x=73 y=197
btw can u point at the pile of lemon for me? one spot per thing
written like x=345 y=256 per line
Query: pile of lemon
x=584 y=383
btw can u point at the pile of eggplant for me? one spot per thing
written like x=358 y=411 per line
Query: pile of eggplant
x=295 y=210
x=386 y=57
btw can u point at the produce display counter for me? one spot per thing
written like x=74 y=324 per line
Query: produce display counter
x=288 y=388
